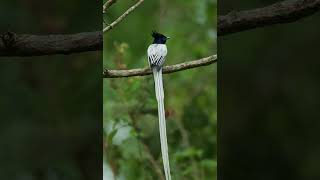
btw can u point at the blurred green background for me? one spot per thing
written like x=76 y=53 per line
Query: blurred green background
x=131 y=135
x=268 y=99
x=50 y=106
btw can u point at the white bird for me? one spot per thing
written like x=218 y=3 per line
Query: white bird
x=157 y=52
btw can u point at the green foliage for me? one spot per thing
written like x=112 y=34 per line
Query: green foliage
x=129 y=105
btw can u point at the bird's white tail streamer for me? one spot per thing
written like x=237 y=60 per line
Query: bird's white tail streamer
x=157 y=74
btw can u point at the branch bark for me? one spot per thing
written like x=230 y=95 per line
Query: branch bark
x=166 y=70
x=12 y=44
x=107 y=5
x=121 y=18
x=278 y=13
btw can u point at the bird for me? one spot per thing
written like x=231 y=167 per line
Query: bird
x=157 y=52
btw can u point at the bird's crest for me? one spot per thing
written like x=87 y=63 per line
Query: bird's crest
x=159 y=38
x=155 y=34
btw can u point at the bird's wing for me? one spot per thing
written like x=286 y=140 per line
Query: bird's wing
x=157 y=54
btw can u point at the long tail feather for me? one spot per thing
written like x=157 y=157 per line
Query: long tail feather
x=157 y=73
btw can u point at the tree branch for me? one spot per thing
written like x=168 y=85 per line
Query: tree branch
x=166 y=70
x=278 y=13
x=146 y=149
x=117 y=21
x=12 y=44
x=107 y=5
x=152 y=160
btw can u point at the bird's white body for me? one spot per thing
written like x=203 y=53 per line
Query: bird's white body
x=156 y=57
x=157 y=54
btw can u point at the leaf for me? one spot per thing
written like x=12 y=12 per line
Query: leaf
x=111 y=135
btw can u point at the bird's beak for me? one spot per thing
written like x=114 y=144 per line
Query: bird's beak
x=168 y=37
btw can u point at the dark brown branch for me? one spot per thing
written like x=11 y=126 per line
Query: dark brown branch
x=12 y=44
x=34 y=45
x=282 y=12
x=166 y=70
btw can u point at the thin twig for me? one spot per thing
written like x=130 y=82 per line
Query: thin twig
x=166 y=70
x=108 y=4
x=117 y=21
x=153 y=162
x=146 y=149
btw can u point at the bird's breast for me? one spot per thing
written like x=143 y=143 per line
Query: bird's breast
x=157 y=49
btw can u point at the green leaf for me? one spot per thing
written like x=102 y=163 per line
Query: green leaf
x=111 y=135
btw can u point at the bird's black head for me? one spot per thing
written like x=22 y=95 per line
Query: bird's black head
x=159 y=38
